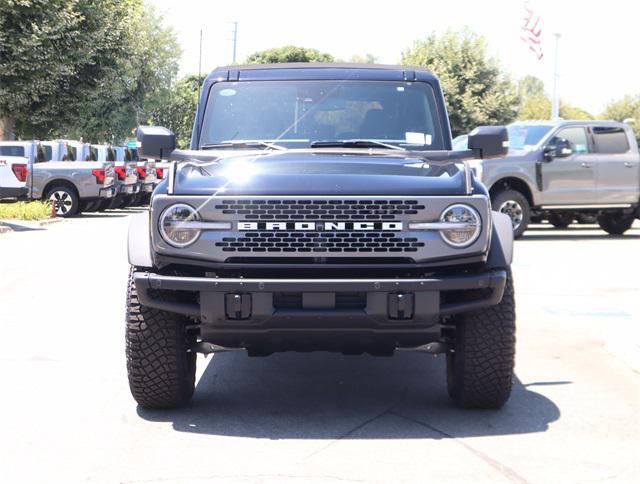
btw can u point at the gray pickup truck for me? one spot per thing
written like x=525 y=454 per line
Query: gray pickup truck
x=68 y=185
x=565 y=170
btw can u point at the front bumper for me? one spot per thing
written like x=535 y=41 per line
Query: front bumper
x=303 y=304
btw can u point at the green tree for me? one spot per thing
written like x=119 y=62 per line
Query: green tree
x=140 y=79
x=289 y=53
x=535 y=107
x=535 y=104
x=88 y=69
x=477 y=91
x=530 y=86
x=34 y=36
x=627 y=107
x=178 y=111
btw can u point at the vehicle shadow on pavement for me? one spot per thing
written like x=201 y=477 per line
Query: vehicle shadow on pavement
x=547 y=235
x=21 y=227
x=331 y=396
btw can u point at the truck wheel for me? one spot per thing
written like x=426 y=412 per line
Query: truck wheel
x=64 y=200
x=515 y=205
x=615 y=223
x=560 y=220
x=161 y=370
x=480 y=369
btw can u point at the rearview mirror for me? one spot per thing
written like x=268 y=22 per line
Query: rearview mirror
x=155 y=142
x=489 y=141
x=559 y=148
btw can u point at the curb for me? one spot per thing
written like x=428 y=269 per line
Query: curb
x=6 y=225
x=50 y=221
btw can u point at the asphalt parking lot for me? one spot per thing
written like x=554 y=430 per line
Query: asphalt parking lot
x=67 y=415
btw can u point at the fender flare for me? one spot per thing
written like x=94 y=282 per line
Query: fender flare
x=501 y=250
x=139 y=241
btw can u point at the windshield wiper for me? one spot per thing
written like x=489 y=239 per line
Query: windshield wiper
x=354 y=143
x=233 y=144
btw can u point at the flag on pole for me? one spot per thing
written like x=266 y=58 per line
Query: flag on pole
x=531 y=31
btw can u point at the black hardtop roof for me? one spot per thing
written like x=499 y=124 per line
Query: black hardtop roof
x=323 y=65
x=329 y=70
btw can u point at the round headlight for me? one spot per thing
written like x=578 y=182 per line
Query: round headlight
x=174 y=225
x=467 y=225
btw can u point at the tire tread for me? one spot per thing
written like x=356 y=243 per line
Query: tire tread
x=481 y=373
x=161 y=373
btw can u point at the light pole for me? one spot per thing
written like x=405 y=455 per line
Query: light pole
x=235 y=40
x=200 y=65
x=555 y=103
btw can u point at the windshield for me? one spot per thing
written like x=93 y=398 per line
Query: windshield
x=297 y=113
x=526 y=136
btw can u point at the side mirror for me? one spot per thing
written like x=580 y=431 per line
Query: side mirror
x=559 y=148
x=489 y=141
x=155 y=141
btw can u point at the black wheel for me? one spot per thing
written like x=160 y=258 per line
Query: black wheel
x=515 y=205
x=480 y=370
x=64 y=200
x=615 y=223
x=161 y=370
x=560 y=220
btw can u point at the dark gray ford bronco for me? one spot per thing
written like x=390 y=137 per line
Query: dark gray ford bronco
x=320 y=207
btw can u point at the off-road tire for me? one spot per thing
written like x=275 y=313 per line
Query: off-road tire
x=560 y=220
x=480 y=370
x=615 y=224
x=161 y=371
x=508 y=195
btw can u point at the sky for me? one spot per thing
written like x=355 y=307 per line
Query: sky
x=598 y=57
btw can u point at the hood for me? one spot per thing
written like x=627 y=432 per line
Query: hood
x=321 y=173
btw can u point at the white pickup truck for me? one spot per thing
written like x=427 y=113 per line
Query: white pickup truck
x=13 y=177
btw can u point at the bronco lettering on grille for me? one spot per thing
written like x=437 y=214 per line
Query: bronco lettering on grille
x=332 y=226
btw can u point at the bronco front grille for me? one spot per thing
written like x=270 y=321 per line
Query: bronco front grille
x=365 y=209
x=335 y=242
